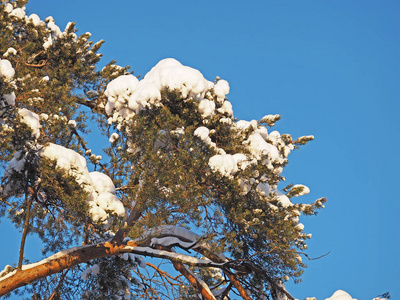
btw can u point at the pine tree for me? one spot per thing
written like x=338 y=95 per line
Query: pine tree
x=185 y=201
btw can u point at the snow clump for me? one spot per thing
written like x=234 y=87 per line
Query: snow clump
x=10 y=51
x=221 y=89
x=99 y=186
x=118 y=92
x=18 y=13
x=227 y=164
x=299 y=190
x=127 y=92
x=8 y=8
x=34 y=18
x=6 y=69
x=32 y=120
x=340 y=295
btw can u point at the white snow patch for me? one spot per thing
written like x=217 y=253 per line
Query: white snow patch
x=113 y=137
x=282 y=198
x=31 y=119
x=118 y=92
x=227 y=164
x=45 y=79
x=264 y=189
x=244 y=125
x=6 y=69
x=126 y=92
x=8 y=8
x=34 y=18
x=102 y=183
x=169 y=241
x=9 y=98
x=18 y=13
x=226 y=108
x=221 y=89
x=304 y=190
x=203 y=133
x=206 y=108
x=340 y=295
x=10 y=51
x=258 y=147
x=223 y=163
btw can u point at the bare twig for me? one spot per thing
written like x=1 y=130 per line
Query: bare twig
x=58 y=285
x=28 y=201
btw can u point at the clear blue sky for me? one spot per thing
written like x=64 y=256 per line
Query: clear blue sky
x=331 y=68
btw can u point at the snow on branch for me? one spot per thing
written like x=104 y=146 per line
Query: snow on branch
x=69 y=258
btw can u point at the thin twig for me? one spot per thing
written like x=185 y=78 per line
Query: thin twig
x=28 y=201
x=58 y=285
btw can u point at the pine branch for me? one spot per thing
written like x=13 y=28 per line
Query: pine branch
x=28 y=201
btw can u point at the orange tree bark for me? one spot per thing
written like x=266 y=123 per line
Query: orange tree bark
x=193 y=280
x=57 y=264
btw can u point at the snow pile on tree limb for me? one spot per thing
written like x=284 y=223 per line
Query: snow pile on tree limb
x=32 y=120
x=128 y=96
x=6 y=69
x=340 y=295
x=98 y=185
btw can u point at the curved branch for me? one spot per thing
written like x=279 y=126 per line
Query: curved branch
x=41 y=64
x=69 y=258
x=54 y=264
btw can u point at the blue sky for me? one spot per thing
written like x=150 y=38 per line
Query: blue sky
x=330 y=68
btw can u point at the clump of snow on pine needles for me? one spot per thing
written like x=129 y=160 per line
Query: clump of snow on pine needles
x=10 y=51
x=34 y=18
x=127 y=93
x=9 y=99
x=221 y=89
x=98 y=185
x=8 y=8
x=118 y=92
x=203 y=133
x=226 y=164
x=299 y=190
x=340 y=295
x=31 y=119
x=18 y=13
x=6 y=69
x=113 y=137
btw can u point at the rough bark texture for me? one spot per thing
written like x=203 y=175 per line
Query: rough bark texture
x=56 y=265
